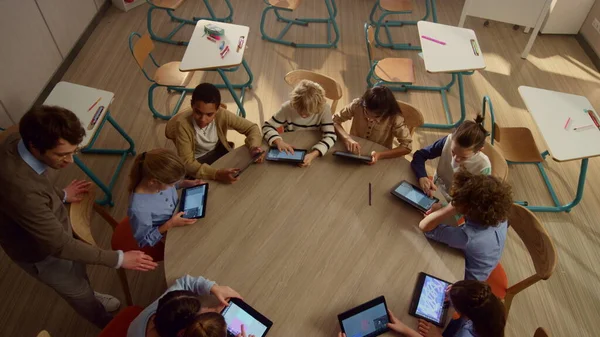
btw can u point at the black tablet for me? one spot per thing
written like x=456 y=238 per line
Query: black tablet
x=414 y=196
x=367 y=320
x=239 y=312
x=193 y=201
x=252 y=161
x=349 y=155
x=275 y=155
x=429 y=299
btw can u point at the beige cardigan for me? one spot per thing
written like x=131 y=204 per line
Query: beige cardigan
x=180 y=129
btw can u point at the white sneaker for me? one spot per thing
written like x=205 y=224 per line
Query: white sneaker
x=110 y=303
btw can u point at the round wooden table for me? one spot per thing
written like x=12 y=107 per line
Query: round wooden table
x=302 y=245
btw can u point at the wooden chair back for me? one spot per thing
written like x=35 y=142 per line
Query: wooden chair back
x=370 y=41
x=43 y=333
x=499 y=164
x=80 y=214
x=142 y=49
x=412 y=116
x=333 y=90
x=541 y=332
x=9 y=131
x=538 y=244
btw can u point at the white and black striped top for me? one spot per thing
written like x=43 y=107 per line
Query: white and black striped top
x=290 y=120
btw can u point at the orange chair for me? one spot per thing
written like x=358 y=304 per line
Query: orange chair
x=122 y=238
x=119 y=325
x=540 y=248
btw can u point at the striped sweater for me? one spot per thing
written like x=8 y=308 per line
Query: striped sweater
x=288 y=119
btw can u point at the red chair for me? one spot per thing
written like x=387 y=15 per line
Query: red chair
x=119 y=325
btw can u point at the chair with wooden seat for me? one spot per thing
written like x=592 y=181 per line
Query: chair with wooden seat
x=171 y=5
x=541 y=250
x=395 y=72
x=289 y=6
x=397 y=7
x=333 y=90
x=122 y=238
x=167 y=75
x=412 y=116
x=518 y=146
x=499 y=165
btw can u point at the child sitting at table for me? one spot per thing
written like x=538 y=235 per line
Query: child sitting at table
x=482 y=314
x=375 y=116
x=306 y=110
x=153 y=182
x=485 y=202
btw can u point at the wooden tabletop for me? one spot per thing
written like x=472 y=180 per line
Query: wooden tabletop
x=456 y=55
x=202 y=54
x=79 y=99
x=550 y=111
x=302 y=245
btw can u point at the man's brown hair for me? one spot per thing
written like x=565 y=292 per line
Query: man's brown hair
x=42 y=127
x=483 y=199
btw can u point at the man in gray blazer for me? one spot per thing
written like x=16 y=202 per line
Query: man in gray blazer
x=35 y=231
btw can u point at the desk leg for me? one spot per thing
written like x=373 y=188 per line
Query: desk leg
x=107 y=191
x=443 y=90
x=567 y=207
x=238 y=100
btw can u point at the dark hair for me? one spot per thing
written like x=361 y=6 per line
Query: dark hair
x=208 y=324
x=475 y=300
x=42 y=127
x=485 y=200
x=471 y=134
x=175 y=311
x=381 y=100
x=207 y=93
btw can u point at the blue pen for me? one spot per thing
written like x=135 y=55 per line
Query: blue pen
x=96 y=117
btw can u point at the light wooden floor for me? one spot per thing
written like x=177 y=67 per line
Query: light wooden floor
x=567 y=304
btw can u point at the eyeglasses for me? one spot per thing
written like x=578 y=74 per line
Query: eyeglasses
x=72 y=154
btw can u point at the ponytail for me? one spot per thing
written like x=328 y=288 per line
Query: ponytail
x=475 y=300
x=160 y=164
x=208 y=324
x=471 y=134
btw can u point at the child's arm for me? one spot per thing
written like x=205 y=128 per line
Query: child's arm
x=431 y=221
x=269 y=129
x=329 y=136
x=402 y=134
x=418 y=163
x=344 y=115
x=143 y=232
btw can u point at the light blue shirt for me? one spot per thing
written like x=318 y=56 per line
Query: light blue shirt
x=32 y=161
x=466 y=330
x=147 y=212
x=482 y=246
x=198 y=285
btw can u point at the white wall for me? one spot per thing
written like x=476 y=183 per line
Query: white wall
x=36 y=37
x=588 y=32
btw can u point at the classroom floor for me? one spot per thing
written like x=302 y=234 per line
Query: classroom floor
x=567 y=304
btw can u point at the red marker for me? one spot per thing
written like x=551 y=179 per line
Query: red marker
x=593 y=117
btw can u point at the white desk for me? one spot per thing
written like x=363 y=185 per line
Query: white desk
x=550 y=111
x=203 y=54
x=78 y=99
x=527 y=13
x=456 y=57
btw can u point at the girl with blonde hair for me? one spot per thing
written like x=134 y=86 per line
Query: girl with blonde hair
x=153 y=182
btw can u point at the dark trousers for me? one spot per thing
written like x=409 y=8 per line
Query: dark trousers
x=69 y=279
x=214 y=155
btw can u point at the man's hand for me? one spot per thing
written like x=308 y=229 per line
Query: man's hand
x=227 y=176
x=76 y=189
x=137 y=260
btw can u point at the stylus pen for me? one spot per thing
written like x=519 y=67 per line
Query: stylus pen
x=369 y=194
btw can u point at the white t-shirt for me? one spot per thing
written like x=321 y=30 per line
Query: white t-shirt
x=206 y=139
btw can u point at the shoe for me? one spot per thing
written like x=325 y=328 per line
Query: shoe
x=110 y=303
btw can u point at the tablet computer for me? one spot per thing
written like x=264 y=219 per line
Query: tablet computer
x=367 y=320
x=275 y=155
x=252 y=161
x=239 y=312
x=350 y=155
x=429 y=299
x=193 y=201
x=414 y=196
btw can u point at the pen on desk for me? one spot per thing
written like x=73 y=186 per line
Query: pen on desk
x=567 y=123
x=582 y=127
x=433 y=40
x=240 y=43
x=369 y=194
x=93 y=105
x=96 y=117
x=593 y=117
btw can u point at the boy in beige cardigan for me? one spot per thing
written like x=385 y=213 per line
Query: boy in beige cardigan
x=200 y=135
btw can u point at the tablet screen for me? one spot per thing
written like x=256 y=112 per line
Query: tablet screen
x=370 y=322
x=415 y=195
x=235 y=316
x=431 y=300
x=194 y=201
x=276 y=154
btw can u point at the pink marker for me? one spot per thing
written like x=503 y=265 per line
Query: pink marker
x=567 y=123
x=433 y=40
